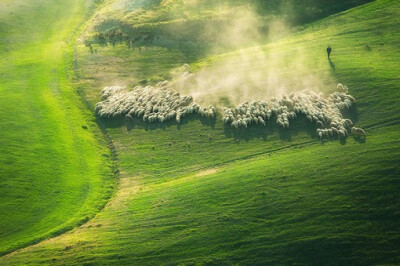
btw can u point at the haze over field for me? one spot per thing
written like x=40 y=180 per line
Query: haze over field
x=249 y=71
x=258 y=72
x=252 y=74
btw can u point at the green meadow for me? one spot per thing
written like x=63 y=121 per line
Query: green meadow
x=196 y=192
x=53 y=172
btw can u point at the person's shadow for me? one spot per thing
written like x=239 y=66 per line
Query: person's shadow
x=332 y=65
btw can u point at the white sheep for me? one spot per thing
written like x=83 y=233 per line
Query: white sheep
x=153 y=104
x=314 y=106
x=357 y=132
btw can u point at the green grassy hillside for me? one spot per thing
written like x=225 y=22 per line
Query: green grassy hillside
x=195 y=27
x=52 y=172
x=198 y=193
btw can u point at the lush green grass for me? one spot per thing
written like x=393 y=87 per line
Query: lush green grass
x=185 y=198
x=52 y=172
x=198 y=27
x=284 y=208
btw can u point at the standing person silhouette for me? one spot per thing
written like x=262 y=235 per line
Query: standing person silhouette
x=329 y=50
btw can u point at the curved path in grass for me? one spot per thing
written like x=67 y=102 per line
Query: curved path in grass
x=52 y=172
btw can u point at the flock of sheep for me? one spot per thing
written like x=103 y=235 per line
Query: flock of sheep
x=152 y=104
x=326 y=113
x=161 y=104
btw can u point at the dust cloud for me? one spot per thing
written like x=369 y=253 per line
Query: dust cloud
x=255 y=72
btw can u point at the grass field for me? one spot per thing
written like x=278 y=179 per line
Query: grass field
x=196 y=194
x=52 y=172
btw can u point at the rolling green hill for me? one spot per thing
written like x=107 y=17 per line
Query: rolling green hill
x=195 y=27
x=52 y=172
x=197 y=193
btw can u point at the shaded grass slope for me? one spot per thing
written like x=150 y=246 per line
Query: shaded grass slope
x=290 y=207
x=196 y=27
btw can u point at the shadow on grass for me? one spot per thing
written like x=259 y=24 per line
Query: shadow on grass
x=137 y=123
x=360 y=139
x=351 y=114
x=297 y=126
x=271 y=128
x=332 y=65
